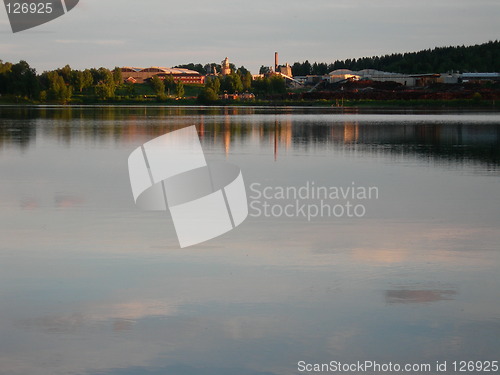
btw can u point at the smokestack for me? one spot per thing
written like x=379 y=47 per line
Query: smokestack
x=275 y=61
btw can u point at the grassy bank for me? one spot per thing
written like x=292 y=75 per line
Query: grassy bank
x=146 y=98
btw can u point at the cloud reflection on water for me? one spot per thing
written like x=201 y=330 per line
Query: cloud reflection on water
x=100 y=288
x=419 y=296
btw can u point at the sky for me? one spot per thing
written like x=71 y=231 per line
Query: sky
x=147 y=33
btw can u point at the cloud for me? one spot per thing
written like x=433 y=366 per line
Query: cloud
x=110 y=42
x=6 y=48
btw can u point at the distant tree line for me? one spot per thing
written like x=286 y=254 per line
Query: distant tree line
x=21 y=81
x=478 y=58
x=61 y=85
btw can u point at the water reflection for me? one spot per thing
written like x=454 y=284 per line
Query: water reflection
x=62 y=200
x=451 y=138
x=90 y=285
x=404 y=295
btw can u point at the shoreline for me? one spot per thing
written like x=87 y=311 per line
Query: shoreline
x=462 y=104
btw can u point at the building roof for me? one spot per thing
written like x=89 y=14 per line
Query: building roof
x=366 y=73
x=372 y=72
x=130 y=69
x=340 y=72
x=158 y=69
x=481 y=75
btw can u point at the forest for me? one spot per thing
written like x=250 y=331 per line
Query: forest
x=477 y=58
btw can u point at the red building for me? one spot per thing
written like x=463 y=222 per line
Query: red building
x=140 y=75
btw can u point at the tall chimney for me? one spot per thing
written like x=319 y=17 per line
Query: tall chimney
x=275 y=61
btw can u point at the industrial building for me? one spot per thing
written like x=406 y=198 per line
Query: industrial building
x=284 y=70
x=140 y=75
x=480 y=77
x=380 y=76
x=341 y=75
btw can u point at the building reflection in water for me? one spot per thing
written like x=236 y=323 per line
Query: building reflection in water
x=351 y=132
x=455 y=141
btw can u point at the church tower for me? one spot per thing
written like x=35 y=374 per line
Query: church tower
x=226 y=69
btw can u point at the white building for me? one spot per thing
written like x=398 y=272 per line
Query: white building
x=343 y=74
x=467 y=77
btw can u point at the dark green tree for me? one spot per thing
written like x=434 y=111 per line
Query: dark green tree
x=242 y=71
x=21 y=80
x=158 y=86
x=66 y=73
x=88 y=79
x=58 y=90
x=261 y=86
x=130 y=88
x=5 y=67
x=213 y=83
x=246 y=80
x=207 y=96
x=104 y=90
x=179 y=89
x=106 y=76
x=4 y=76
x=77 y=80
x=117 y=76
x=307 y=68
x=297 y=69
x=209 y=68
x=231 y=83
x=264 y=70
x=191 y=66
x=269 y=85
x=170 y=84
x=277 y=84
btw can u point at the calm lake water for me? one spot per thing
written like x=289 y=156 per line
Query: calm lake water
x=90 y=284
